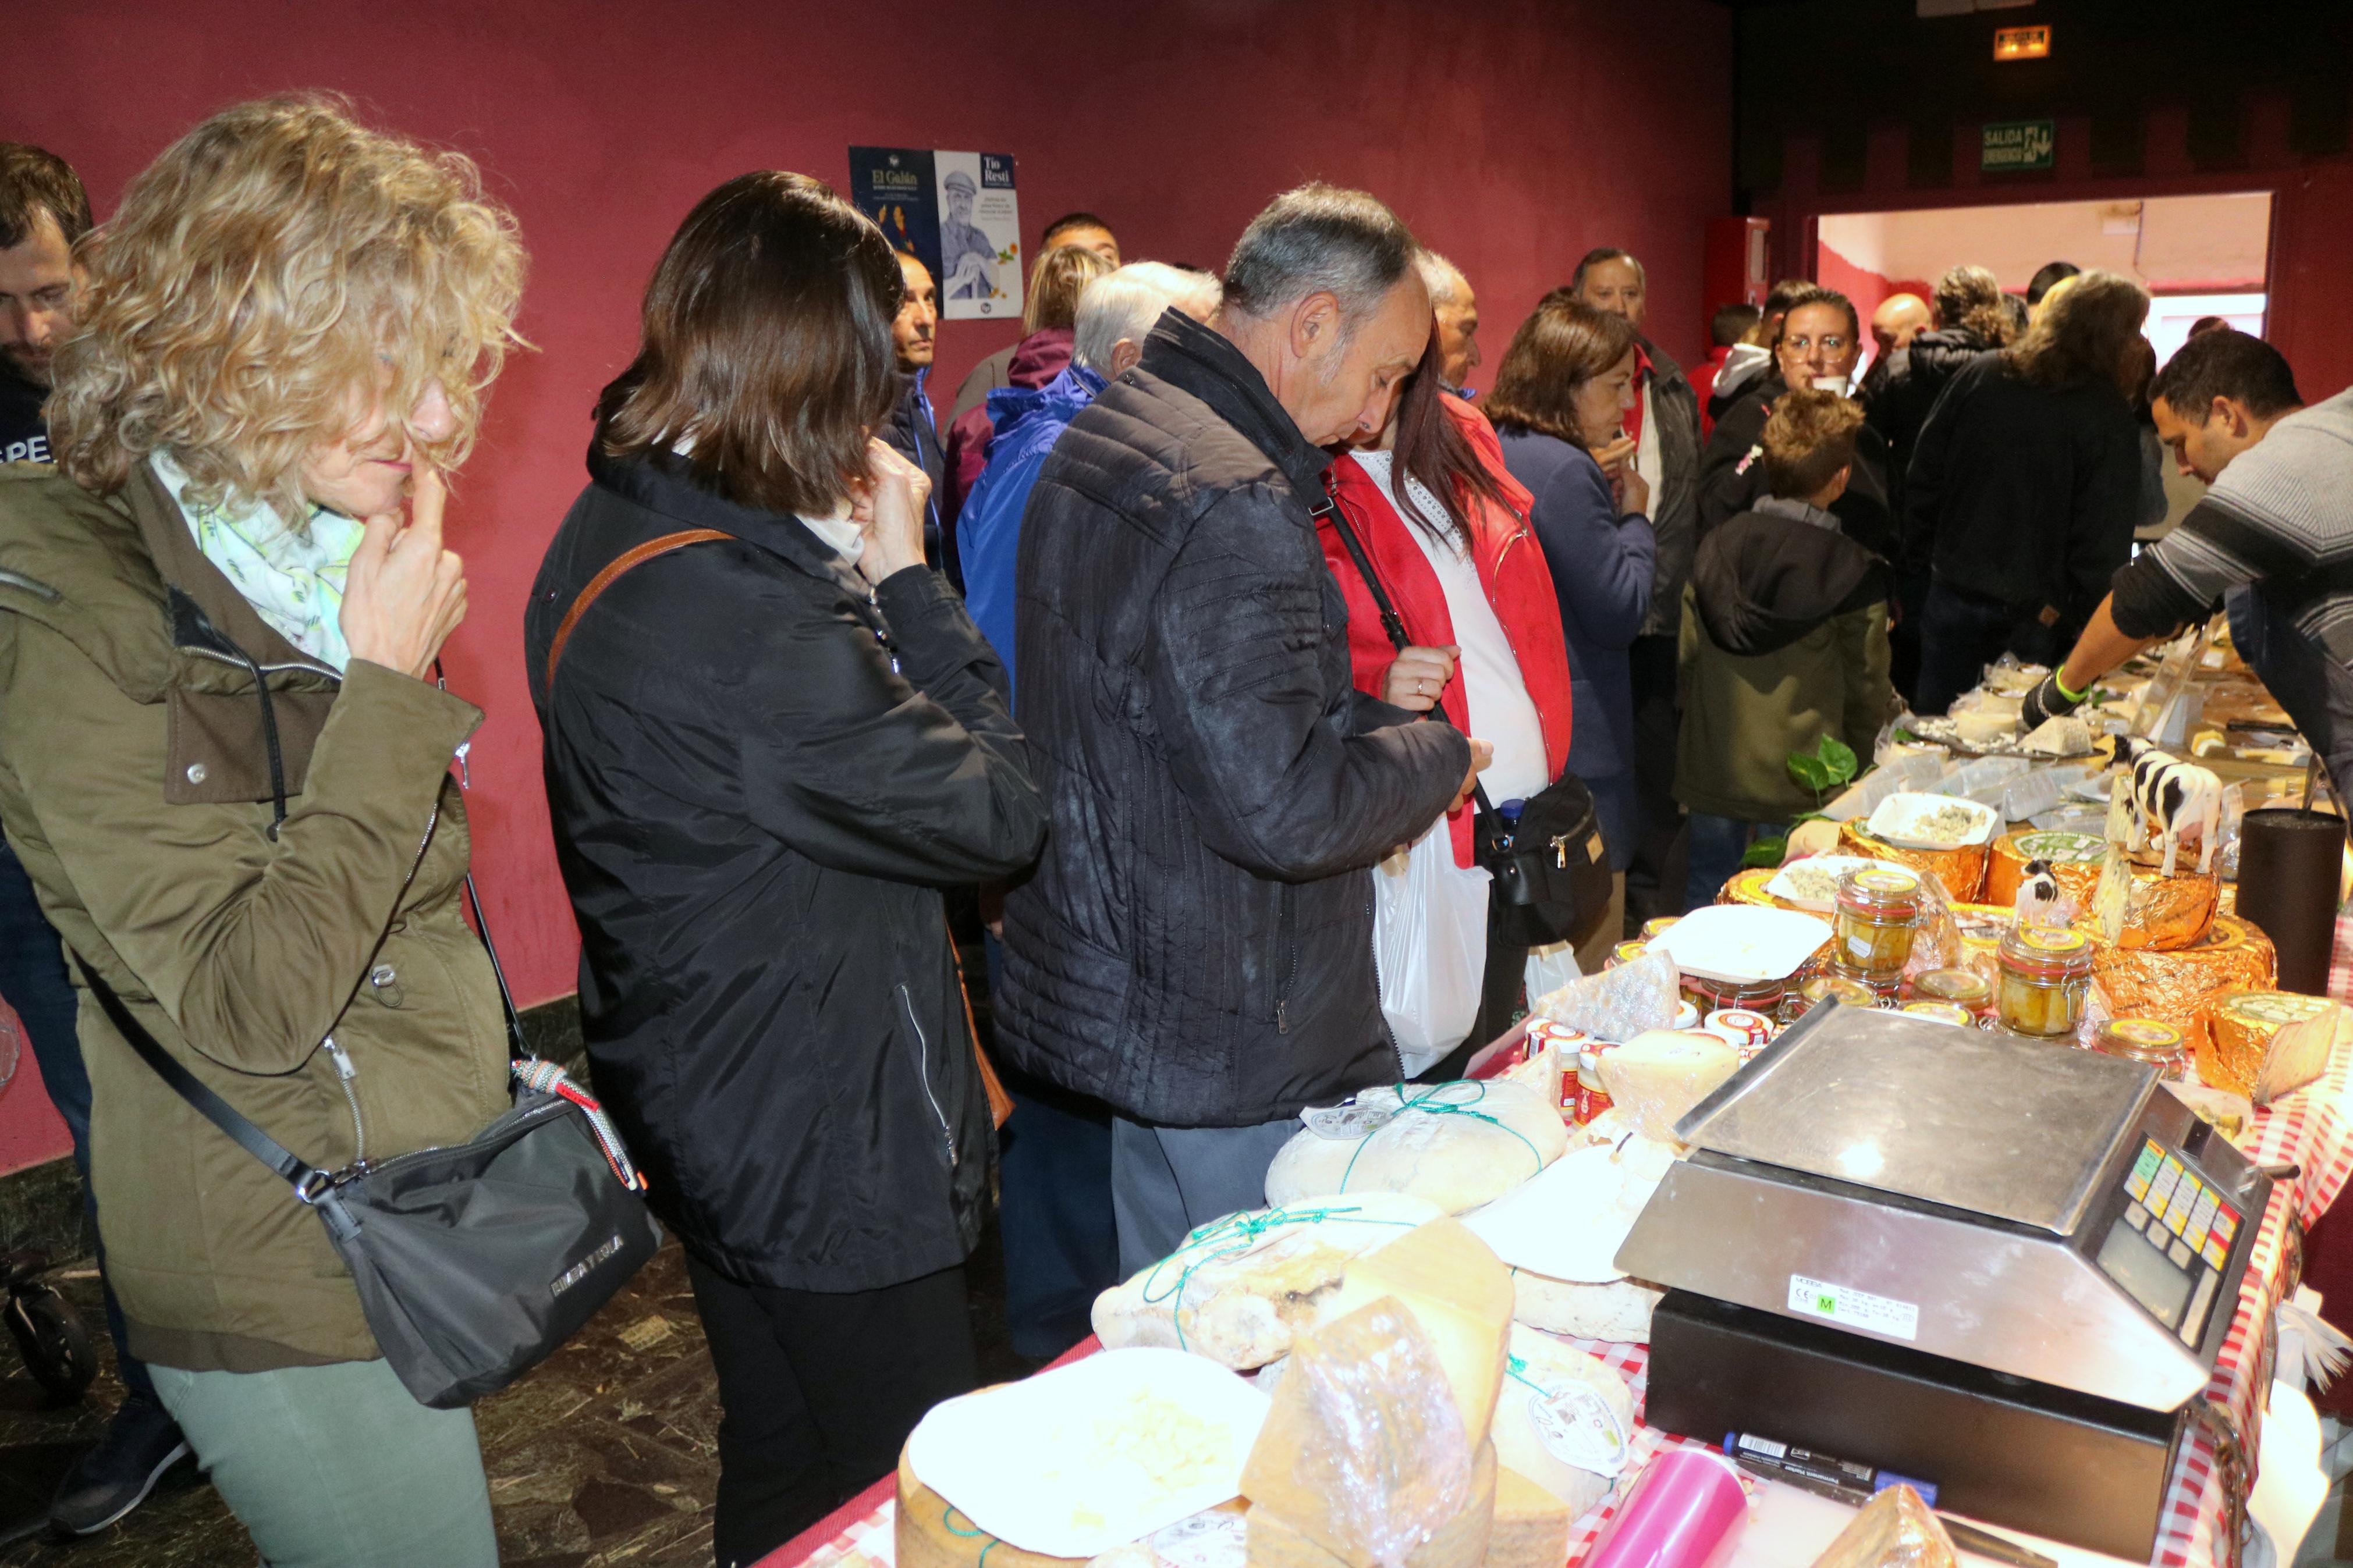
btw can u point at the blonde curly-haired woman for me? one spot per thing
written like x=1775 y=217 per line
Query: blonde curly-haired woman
x=228 y=772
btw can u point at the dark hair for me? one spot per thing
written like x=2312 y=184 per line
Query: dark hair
x=2051 y=272
x=766 y=346
x=2206 y=325
x=1732 y=323
x=1319 y=238
x=1595 y=257
x=1067 y=222
x=2019 y=312
x=1061 y=275
x=2084 y=336
x=1562 y=346
x=2226 y=363
x=1815 y=294
x=1970 y=300
x=33 y=179
x=1431 y=448
x=1807 y=438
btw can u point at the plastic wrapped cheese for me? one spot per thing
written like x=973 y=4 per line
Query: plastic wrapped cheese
x=1236 y=1289
x=1456 y=1144
x=1363 y=1455
x=1461 y=1294
x=1565 y=1421
x=1654 y=1078
x=1893 y=1530
x=1618 y=1003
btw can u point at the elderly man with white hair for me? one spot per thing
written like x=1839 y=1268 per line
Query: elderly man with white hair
x=1061 y=1245
x=1116 y=313
x=1455 y=307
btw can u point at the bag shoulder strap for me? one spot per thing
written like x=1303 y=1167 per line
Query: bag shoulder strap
x=636 y=556
x=1394 y=624
x=307 y=1180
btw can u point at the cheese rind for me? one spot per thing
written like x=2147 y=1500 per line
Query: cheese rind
x=1619 y=1312
x=1532 y=1525
x=1457 y=1144
x=1461 y=1294
x=1540 y=1366
x=1656 y=1078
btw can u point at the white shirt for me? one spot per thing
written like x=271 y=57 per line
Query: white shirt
x=1647 y=461
x=1502 y=714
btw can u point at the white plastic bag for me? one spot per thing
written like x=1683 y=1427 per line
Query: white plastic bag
x=1430 y=944
x=1549 y=968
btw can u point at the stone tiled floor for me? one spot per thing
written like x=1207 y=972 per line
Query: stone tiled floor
x=604 y=1455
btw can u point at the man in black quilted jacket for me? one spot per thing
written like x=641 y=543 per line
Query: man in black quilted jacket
x=1195 y=947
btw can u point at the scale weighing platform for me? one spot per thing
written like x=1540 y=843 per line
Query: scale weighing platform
x=2002 y=1266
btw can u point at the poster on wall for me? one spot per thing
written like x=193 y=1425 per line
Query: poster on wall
x=892 y=185
x=980 y=235
x=956 y=213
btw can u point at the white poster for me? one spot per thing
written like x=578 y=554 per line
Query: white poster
x=981 y=264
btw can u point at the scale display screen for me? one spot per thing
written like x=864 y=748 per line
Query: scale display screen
x=2145 y=1273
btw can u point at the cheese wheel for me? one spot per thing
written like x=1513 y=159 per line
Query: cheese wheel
x=1236 y=1289
x=1655 y=1078
x=1549 y=1386
x=1619 y=1312
x=1461 y=1294
x=2241 y=1027
x=1456 y=1144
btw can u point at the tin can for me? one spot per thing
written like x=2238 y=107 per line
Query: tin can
x=1592 y=1100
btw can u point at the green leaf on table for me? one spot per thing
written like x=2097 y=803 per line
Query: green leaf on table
x=1764 y=852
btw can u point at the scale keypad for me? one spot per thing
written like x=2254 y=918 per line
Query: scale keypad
x=2186 y=1221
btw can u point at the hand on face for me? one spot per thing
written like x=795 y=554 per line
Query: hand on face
x=404 y=594
x=889 y=511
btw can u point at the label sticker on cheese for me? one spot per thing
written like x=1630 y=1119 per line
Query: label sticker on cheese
x=1217 y=1538
x=1577 y=1427
x=1854 y=1309
x=1349 y=1120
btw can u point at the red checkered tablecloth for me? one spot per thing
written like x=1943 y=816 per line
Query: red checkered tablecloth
x=2311 y=1129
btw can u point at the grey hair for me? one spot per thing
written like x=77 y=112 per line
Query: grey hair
x=1593 y=258
x=1124 y=304
x=1441 y=278
x=1319 y=239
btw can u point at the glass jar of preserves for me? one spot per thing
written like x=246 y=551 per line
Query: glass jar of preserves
x=1964 y=988
x=1654 y=928
x=1832 y=988
x=2045 y=977
x=1705 y=995
x=1626 y=953
x=2145 y=1040
x=1878 y=913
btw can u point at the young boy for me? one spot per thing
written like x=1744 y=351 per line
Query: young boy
x=1784 y=641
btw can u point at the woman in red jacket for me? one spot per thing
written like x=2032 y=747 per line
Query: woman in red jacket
x=1445 y=529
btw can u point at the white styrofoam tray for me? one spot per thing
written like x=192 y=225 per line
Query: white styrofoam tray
x=1741 y=944
x=1899 y=817
x=1784 y=886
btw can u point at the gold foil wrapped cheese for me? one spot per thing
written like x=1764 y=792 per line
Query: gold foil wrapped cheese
x=1962 y=870
x=2074 y=861
x=2167 y=913
x=1747 y=886
x=2174 y=987
x=2241 y=1027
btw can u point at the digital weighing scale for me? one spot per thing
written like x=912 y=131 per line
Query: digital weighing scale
x=2002 y=1266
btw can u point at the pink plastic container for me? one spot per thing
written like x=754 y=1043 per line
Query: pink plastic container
x=1684 y=1510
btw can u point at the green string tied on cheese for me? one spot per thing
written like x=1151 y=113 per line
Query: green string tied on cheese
x=1239 y=1233
x=1428 y=1105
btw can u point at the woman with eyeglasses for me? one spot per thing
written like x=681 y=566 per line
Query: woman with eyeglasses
x=1820 y=339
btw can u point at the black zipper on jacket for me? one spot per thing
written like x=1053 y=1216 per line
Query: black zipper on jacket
x=924 y=1071
x=1287 y=918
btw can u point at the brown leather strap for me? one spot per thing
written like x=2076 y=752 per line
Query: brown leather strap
x=605 y=579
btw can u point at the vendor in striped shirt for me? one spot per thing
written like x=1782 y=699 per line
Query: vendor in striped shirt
x=2274 y=533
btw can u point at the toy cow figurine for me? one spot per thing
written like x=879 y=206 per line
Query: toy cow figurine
x=2170 y=795
x=2038 y=901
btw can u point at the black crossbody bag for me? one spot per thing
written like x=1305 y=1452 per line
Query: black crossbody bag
x=474 y=1261
x=1551 y=868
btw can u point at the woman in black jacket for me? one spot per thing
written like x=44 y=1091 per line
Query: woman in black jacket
x=769 y=745
x=2024 y=487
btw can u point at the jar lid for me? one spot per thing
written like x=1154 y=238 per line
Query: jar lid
x=1880 y=890
x=1628 y=951
x=1966 y=986
x=1837 y=987
x=1657 y=928
x=1942 y=1012
x=2047 y=952
x=2140 y=1034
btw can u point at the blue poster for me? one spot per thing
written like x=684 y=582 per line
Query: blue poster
x=895 y=186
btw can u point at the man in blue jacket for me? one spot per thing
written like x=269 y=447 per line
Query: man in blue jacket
x=1115 y=314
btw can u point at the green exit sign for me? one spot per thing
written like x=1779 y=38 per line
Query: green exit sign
x=2010 y=145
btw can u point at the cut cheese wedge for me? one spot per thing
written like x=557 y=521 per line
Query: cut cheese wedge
x=1461 y=1294
x=1656 y=1078
x=1531 y=1528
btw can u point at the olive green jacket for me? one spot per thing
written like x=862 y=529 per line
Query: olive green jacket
x=135 y=784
